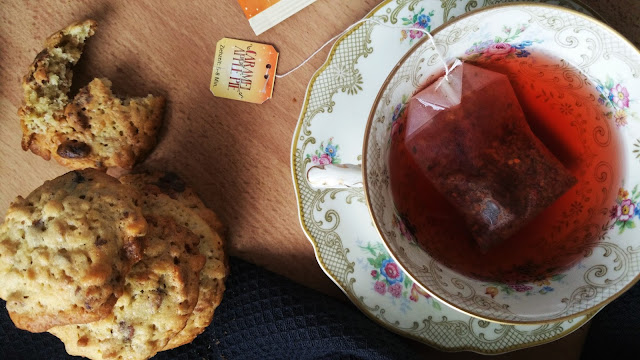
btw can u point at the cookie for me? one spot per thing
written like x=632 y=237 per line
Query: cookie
x=165 y=194
x=160 y=294
x=46 y=86
x=108 y=131
x=66 y=248
x=171 y=184
x=95 y=128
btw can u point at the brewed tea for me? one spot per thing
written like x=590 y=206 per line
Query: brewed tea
x=561 y=108
x=478 y=150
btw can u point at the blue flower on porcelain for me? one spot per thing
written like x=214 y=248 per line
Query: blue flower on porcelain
x=331 y=150
x=391 y=271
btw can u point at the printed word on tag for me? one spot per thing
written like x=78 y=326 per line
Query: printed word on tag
x=244 y=70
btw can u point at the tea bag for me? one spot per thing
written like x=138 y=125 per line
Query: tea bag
x=471 y=139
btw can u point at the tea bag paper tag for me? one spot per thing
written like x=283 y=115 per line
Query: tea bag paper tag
x=244 y=70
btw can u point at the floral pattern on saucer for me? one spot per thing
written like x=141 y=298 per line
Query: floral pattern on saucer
x=539 y=287
x=615 y=96
x=418 y=22
x=390 y=280
x=626 y=209
x=610 y=260
x=501 y=47
x=337 y=221
x=326 y=154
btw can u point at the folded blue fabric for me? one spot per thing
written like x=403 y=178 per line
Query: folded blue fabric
x=615 y=331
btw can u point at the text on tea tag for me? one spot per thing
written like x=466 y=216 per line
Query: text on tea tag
x=244 y=70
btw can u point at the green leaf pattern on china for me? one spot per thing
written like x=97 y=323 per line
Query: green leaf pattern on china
x=416 y=24
x=389 y=280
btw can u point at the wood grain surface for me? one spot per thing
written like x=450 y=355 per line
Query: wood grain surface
x=236 y=155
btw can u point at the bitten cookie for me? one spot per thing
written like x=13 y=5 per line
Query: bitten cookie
x=46 y=86
x=110 y=132
x=66 y=248
x=159 y=296
x=165 y=194
x=95 y=129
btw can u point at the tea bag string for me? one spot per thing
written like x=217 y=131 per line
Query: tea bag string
x=447 y=69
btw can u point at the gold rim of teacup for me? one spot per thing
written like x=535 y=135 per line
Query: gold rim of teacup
x=365 y=144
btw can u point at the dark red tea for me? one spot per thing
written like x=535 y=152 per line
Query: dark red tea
x=562 y=109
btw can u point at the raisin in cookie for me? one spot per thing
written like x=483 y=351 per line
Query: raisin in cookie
x=114 y=132
x=95 y=129
x=160 y=293
x=46 y=86
x=66 y=248
x=165 y=194
x=171 y=184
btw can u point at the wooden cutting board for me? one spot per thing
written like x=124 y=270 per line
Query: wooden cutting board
x=236 y=155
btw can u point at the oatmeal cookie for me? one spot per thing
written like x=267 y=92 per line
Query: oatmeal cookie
x=171 y=184
x=66 y=248
x=165 y=194
x=160 y=294
x=95 y=129
x=46 y=86
x=111 y=132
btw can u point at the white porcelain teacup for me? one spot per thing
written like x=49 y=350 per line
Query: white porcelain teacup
x=604 y=61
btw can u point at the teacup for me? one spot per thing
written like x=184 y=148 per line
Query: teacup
x=607 y=62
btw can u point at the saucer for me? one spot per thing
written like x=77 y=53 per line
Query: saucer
x=337 y=222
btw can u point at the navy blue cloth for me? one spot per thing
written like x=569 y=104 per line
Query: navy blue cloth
x=262 y=316
x=615 y=331
x=266 y=316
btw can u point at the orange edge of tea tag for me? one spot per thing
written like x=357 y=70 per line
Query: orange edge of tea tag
x=244 y=70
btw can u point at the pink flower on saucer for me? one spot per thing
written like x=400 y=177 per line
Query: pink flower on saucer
x=391 y=272
x=416 y=34
x=325 y=159
x=619 y=95
x=625 y=211
x=380 y=287
x=499 y=49
x=395 y=290
x=520 y=287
